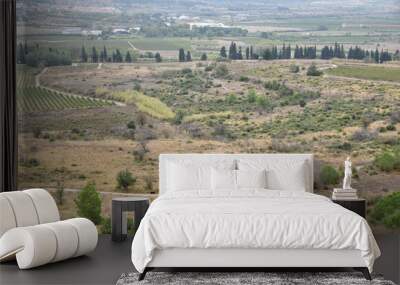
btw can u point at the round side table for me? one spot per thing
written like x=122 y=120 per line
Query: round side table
x=120 y=207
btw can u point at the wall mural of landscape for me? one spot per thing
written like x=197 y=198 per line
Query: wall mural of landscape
x=105 y=86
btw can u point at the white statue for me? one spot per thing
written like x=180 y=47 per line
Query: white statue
x=347 y=174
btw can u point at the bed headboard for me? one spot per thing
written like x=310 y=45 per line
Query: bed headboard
x=165 y=158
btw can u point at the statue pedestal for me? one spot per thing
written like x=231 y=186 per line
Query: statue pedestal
x=344 y=194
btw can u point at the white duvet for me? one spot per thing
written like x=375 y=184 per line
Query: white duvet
x=250 y=219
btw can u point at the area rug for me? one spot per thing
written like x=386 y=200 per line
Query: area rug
x=244 y=278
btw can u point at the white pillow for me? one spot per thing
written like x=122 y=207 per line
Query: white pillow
x=251 y=178
x=282 y=174
x=183 y=177
x=223 y=179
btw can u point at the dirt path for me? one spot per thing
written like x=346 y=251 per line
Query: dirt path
x=119 y=194
x=37 y=77
x=37 y=84
x=132 y=46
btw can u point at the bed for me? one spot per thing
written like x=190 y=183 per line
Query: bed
x=246 y=211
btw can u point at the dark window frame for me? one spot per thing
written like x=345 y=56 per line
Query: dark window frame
x=8 y=100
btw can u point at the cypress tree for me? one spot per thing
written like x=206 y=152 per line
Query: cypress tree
x=251 y=52
x=26 y=49
x=342 y=53
x=376 y=55
x=232 y=51
x=158 y=57
x=21 y=54
x=282 y=54
x=118 y=56
x=188 y=56
x=267 y=55
x=95 y=56
x=222 y=52
x=274 y=52
x=247 y=52
x=102 y=56
x=84 y=56
x=203 y=56
x=105 y=53
x=239 y=54
x=289 y=52
x=182 y=55
x=128 y=57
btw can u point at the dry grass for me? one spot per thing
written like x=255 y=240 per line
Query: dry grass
x=149 y=105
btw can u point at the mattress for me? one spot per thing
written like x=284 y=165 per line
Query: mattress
x=250 y=219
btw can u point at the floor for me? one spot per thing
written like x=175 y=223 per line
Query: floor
x=110 y=260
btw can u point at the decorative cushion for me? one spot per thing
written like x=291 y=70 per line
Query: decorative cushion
x=186 y=174
x=183 y=177
x=251 y=179
x=223 y=179
x=282 y=174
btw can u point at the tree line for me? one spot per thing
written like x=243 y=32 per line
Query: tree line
x=36 y=56
x=305 y=52
x=115 y=56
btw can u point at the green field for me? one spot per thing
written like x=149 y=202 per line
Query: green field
x=36 y=99
x=158 y=44
x=367 y=72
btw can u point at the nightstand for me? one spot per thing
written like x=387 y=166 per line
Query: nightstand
x=120 y=207
x=358 y=206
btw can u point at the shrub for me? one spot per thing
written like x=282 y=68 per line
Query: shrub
x=208 y=68
x=148 y=180
x=221 y=70
x=387 y=211
x=272 y=85
x=294 y=68
x=140 y=150
x=88 y=203
x=251 y=96
x=391 y=127
x=186 y=70
x=263 y=103
x=137 y=86
x=231 y=98
x=125 y=179
x=37 y=132
x=395 y=117
x=131 y=125
x=329 y=175
x=387 y=161
x=243 y=78
x=302 y=103
x=141 y=119
x=106 y=225
x=60 y=179
x=363 y=135
x=32 y=162
x=313 y=70
x=179 y=115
